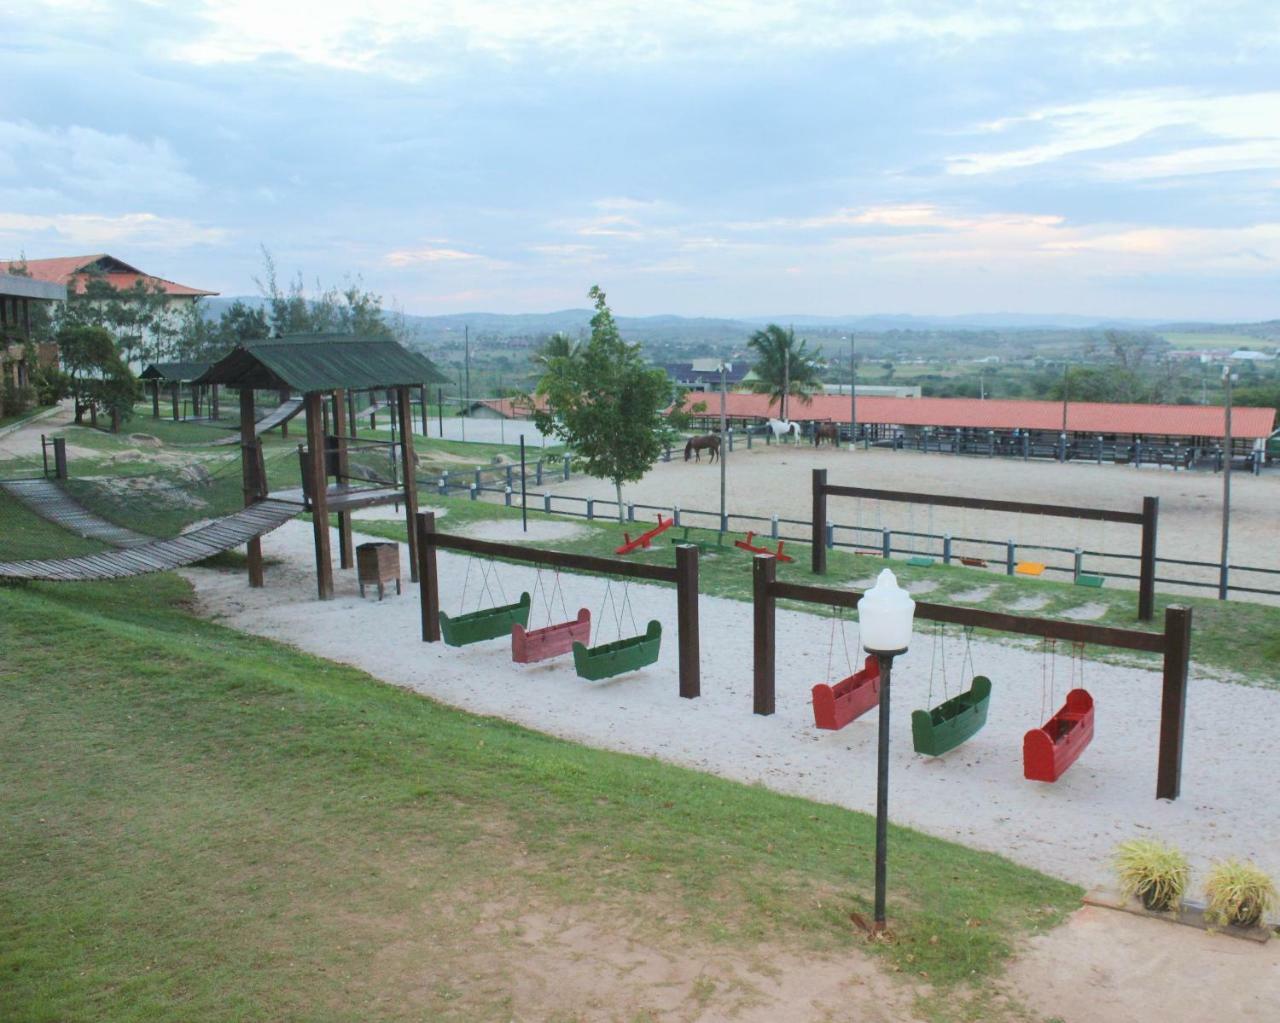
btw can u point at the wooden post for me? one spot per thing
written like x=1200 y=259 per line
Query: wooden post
x=253 y=486
x=174 y=395
x=409 y=475
x=687 y=620
x=422 y=398
x=1173 y=699
x=818 y=550
x=283 y=394
x=319 y=493
x=351 y=413
x=155 y=399
x=1147 y=571
x=215 y=412
x=430 y=588
x=346 y=555
x=763 y=572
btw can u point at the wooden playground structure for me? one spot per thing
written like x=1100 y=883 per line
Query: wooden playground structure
x=325 y=370
x=683 y=575
x=1148 y=519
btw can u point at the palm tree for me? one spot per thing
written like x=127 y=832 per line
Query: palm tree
x=784 y=368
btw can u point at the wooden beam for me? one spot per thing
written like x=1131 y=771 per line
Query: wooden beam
x=346 y=555
x=560 y=559
x=1147 y=570
x=1050 y=628
x=429 y=590
x=314 y=403
x=409 y=474
x=687 y=620
x=1173 y=700
x=818 y=543
x=253 y=486
x=982 y=503
x=764 y=569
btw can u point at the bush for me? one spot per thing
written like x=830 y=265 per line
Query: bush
x=1238 y=893
x=1154 y=872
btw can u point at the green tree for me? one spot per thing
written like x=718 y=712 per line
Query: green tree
x=98 y=377
x=606 y=403
x=347 y=310
x=146 y=326
x=785 y=368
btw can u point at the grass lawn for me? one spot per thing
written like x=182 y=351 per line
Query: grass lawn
x=202 y=825
x=1239 y=638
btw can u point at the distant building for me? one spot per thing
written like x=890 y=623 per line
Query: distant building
x=16 y=295
x=877 y=390
x=1250 y=355
x=704 y=374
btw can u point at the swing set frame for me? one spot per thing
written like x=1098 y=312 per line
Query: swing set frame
x=684 y=576
x=1173 y=644
x=1148 y=519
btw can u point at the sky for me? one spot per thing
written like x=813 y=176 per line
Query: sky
x=723 y=158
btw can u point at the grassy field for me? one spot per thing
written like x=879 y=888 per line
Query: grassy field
x=201 y=825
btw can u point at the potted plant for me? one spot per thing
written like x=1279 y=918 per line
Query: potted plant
x=1238 y=893
x=1154 y=872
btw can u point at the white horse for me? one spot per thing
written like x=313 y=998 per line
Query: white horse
x=784 y=428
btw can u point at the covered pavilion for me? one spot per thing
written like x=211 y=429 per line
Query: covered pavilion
x=325 y=369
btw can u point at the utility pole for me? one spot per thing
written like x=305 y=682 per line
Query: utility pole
x=786 y=380
x=1066 y=390
x=466 y=356
x=853 y=393
x=724 y=447
x=1227 y=380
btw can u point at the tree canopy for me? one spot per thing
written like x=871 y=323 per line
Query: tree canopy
x=785 y=368
x=99 y=377
x=605 y=402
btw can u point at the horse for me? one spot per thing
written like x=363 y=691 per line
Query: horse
x=710 y=442
x=826 y=431
x=783 y=428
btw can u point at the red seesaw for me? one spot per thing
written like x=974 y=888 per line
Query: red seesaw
x=747 y=545
x=644 y=539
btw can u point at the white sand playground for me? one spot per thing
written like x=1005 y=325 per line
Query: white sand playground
x=975 y=795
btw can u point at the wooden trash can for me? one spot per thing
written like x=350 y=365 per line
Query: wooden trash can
x=378 y=564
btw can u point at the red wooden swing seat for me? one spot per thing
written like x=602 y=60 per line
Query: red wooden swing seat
x=530 y=645
x=1048 y=751
x=835 y=706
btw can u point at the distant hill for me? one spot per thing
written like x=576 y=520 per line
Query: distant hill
x=575 y=322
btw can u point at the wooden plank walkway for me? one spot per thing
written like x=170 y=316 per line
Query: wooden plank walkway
x=160 y=555
x=50 y=501
x=285 y=411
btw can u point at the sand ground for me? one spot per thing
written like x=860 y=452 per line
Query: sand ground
x=776 y=480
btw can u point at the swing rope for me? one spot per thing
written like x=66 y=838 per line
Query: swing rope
x=837 y=614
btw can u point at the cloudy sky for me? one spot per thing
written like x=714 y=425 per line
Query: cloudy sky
x=727 y=157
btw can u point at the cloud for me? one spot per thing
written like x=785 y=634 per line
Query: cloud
x=98 y=231
x=1237 y=131
x=81 y=160
x=416 y=257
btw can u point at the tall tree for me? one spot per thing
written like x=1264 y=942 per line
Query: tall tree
x=785 y=367
x=606 y=403
x=99 y=377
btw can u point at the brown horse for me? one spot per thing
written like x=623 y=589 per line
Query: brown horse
x=709 y=442
x=826 y=431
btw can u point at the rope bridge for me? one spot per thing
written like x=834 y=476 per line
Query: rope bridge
x=136 y=554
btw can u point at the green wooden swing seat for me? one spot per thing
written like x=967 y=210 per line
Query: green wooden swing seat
x=490 y=623
x=623 y=655
x=1089 y=579
x=934 y=732
x=920 y=561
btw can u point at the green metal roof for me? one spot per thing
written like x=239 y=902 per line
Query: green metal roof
x=174 y=372
x=304 y=363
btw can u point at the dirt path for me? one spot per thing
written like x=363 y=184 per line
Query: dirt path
x=776 y=481
x=1103 y=966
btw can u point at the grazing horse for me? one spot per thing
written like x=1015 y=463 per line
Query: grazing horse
x=826 y=431
x=709 y=442
x=783 y=428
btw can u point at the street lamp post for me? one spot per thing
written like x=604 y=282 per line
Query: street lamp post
x=853 y=393
x=724 y=448
x=1227 y=380
x=885 y=614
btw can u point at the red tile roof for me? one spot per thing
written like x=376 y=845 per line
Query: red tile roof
x=73 y=271
x=973 y=413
